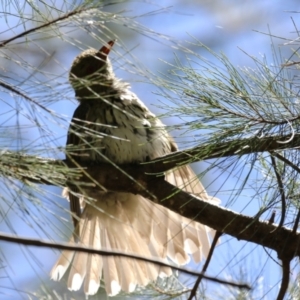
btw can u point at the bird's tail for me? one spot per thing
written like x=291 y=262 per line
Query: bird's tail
x=130 y=224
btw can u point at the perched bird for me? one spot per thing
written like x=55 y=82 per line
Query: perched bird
x=112 y=124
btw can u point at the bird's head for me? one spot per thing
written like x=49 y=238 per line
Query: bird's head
x=91 y=73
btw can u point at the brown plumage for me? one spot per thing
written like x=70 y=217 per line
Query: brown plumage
x=112 y=124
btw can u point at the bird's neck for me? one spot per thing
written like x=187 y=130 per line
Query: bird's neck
x=97 y=92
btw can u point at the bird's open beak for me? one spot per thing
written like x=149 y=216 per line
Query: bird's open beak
x=104 y=51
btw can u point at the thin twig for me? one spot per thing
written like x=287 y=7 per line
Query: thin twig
x=286 y=161
x=285 y=279
x=297 y=169
x=296 y=224
x=281 y=191
x=290 y=64
x=26 y=32
x=208 y=259
x=17 y=92
x=75 y=247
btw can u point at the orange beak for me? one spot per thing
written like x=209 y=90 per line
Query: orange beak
x=104 y=51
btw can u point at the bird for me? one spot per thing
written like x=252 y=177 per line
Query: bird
x=111 y=124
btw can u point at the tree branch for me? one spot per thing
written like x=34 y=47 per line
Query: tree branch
x=283 y=241
x=30 y=167
x=281 y=191
x=136 y=179
x=206 y=264
x=76 y=247
x=285 y=279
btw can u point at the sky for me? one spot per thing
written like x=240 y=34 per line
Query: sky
x=240 y=30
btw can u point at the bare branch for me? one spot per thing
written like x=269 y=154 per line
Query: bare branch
x=76 y=247
x=207 y=261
